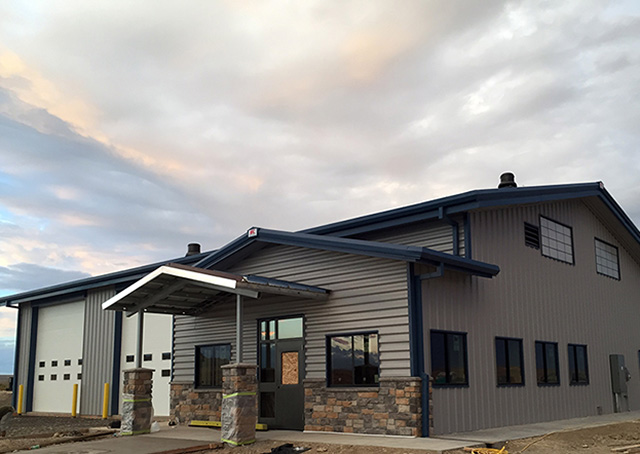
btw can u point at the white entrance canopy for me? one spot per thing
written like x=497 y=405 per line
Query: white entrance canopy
x=186 y=290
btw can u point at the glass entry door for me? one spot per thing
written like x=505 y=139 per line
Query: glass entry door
x=281 y=361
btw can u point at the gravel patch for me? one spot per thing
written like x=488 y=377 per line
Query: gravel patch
x=29 y=426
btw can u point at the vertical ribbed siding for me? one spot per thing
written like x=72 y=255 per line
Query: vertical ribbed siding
x=534 y=298
x=97 y=350
x=25 y=341
x=435 y=235
x=367 y=294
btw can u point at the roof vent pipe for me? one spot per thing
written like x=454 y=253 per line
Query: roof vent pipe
x=193 y=249
x=507 y=180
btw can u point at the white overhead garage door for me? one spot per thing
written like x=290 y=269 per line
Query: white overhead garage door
x=156 y=354
x=58 y=357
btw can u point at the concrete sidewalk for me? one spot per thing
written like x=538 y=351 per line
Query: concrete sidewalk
x=184 y=437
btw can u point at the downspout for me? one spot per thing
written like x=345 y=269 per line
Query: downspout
x=416 y=342
x=442 y=215
x=32 y=359
x=16 y=360
x=117 y=358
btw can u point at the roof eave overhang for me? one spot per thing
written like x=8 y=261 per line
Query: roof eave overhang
x=158 y=300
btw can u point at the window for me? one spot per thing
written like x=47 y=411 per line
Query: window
x=557 y=240
x=449 y=358
x=147 y=357
x=166 y=372
x=41 y=364
x=130 y=358
x=607 y=262
x=79 y=376
x=353 y=360
x=54 y=377
x=547 y=363
x=79 y=361
x=578 y=368
x=209 y=360
x=166 y=355
x=40 y=377
x=67 y=362
x=509 y=363
x=531 y=235
x=271 y=332
x=54 y=363
x=66 y=377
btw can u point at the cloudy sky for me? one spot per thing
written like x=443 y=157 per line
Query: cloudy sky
x=128 y=129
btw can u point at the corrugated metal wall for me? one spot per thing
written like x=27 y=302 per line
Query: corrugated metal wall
x=97 y=351
x=25 y=340
x=534 y=298
x=367 y=294
x=435 y=235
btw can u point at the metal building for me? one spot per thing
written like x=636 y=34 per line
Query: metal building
x=493 y=307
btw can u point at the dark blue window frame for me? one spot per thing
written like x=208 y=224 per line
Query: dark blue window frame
x=448 y=367
x=366 y=374
x=547 y=365
x=220 y=355
x=509 y=356
x=578 y=364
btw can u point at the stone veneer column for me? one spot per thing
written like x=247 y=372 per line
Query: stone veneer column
x=239 y=403
x=137 y=410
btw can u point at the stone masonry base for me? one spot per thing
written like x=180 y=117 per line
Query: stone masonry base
x=393 y=408
x=189 y=404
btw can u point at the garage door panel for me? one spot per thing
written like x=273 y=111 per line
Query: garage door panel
x=58 y=356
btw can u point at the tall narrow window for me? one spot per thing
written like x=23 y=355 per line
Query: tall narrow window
x=449 y=358
x=557 y=240
x=509 y=363
x=607 y=262
x=209 y=360
x=578 y=367
x=353 y=360
x=547 y=363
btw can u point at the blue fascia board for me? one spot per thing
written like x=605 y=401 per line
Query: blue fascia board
x=412 y=254
x=89 y=283
x=224 y=252
x=459 y=203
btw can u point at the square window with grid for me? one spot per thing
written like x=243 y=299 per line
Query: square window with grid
x=607 y=259
x=557 y=240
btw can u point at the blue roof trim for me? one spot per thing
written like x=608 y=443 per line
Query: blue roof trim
x=225 y=252
x=413 y=254
x=117 y=277
x=482 y=198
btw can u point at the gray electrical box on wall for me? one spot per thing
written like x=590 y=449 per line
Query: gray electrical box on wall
x=619 y=378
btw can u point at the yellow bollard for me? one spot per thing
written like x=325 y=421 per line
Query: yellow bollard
x=20 y=395
x=74 y=401
x=105 y=402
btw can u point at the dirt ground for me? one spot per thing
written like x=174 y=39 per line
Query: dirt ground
x=5 y=398
x=597 y=440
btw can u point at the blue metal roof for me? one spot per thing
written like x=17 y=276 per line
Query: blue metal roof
x=413 y=254
x=118 y=277
x=466 y=201
x=434 y=209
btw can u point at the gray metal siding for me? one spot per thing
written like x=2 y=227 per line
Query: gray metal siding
x=25 y=341
x=367 y=294
x=534 y=298
x=435 y=235
x=97 y=350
